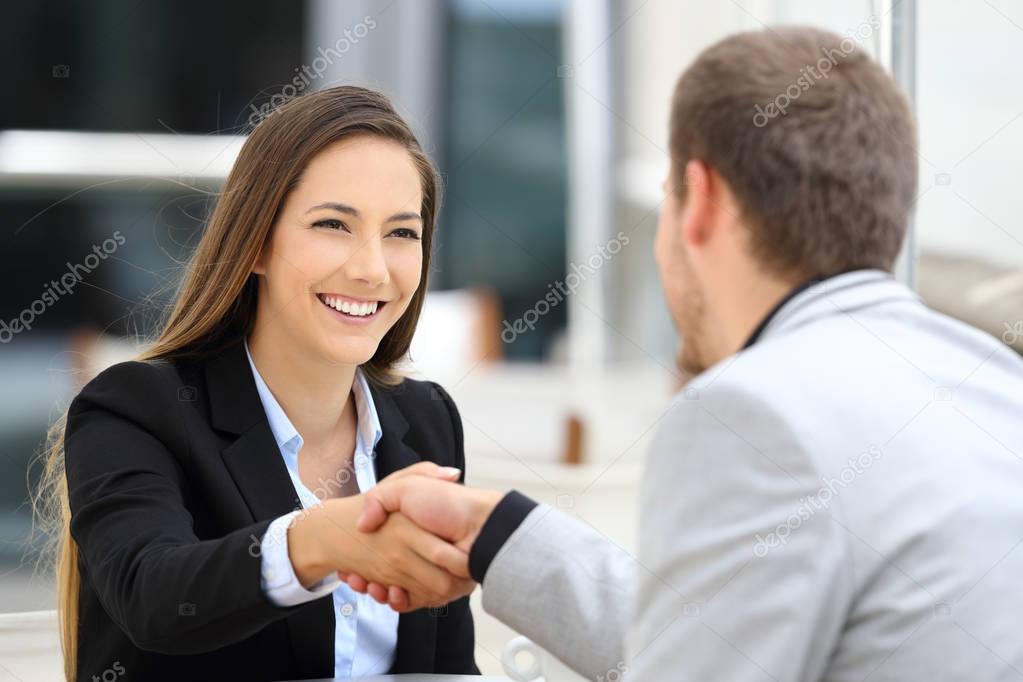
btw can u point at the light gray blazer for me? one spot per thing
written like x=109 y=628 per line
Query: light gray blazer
x=841 y=501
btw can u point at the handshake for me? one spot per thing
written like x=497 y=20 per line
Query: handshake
x=405 y=542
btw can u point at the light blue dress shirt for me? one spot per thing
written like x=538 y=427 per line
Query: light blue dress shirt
x=365 y=632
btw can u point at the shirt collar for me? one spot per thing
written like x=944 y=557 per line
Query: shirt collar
x=288 y=437
x=781 y=304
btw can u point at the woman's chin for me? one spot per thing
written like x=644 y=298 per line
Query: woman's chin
x=351 y=351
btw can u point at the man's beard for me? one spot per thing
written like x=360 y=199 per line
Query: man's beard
x=692 y=358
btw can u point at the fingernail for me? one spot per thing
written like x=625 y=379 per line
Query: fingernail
x=449 y=472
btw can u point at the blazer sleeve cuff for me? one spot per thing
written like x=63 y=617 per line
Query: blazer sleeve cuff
x=506 y=517
x=280 y=584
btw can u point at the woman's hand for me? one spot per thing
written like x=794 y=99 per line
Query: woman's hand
x=325 y=539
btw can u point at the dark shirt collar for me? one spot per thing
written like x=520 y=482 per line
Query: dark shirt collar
x=755 y=336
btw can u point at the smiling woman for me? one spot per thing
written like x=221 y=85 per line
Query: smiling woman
x=361 y=255
x=205 y=494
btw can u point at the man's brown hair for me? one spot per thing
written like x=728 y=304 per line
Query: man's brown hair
x=815 y=140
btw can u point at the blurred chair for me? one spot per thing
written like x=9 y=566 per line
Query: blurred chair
x=987 y=296
x=30 y=647
x=460 y=330
x=457 y=330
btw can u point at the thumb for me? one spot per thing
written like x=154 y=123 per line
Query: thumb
x=374 y=513
x=380 y=500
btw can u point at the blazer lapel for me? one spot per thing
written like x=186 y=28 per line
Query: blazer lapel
x=391 y=453
x=259 y=471
x=253 y=458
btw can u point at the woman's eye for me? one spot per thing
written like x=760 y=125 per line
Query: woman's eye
x=330 y=223
x=405 y=233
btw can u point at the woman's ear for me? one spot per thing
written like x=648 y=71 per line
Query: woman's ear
x=259 y=267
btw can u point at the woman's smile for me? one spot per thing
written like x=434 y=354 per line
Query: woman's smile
x=350 y=310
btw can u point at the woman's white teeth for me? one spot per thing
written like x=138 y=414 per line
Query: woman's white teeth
x=355 y=309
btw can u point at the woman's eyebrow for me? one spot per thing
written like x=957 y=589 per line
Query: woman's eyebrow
x=340 y=208
x=408 y=215
x=352 y=211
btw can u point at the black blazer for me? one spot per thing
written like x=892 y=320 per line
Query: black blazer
x=173 y=477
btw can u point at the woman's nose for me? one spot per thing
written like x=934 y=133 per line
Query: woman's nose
x=367 y=263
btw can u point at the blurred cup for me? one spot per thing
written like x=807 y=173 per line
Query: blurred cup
x=542 y=666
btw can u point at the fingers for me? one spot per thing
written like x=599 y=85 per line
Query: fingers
x=357 y=582
x=399 y=599
x=396 y=597
x=421 y=562
x=438 y=552
x=428 y=469
x=378 y=592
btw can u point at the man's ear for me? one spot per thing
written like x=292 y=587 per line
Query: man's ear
x=697 y=210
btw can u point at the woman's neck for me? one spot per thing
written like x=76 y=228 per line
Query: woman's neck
x=314 y=394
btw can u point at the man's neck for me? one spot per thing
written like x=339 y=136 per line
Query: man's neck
x=744 y=316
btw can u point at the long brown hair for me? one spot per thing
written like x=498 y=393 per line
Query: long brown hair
x=215 y=304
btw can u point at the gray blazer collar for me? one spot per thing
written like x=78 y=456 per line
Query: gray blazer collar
x=842 y=294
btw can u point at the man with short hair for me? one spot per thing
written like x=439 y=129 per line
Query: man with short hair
x=837 y=494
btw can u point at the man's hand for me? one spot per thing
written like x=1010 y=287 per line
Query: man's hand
x=448 y=510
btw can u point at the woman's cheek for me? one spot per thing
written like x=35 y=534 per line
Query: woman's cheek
x=407 y=270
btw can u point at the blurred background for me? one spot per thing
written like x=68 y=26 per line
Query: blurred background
x=547 y=118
